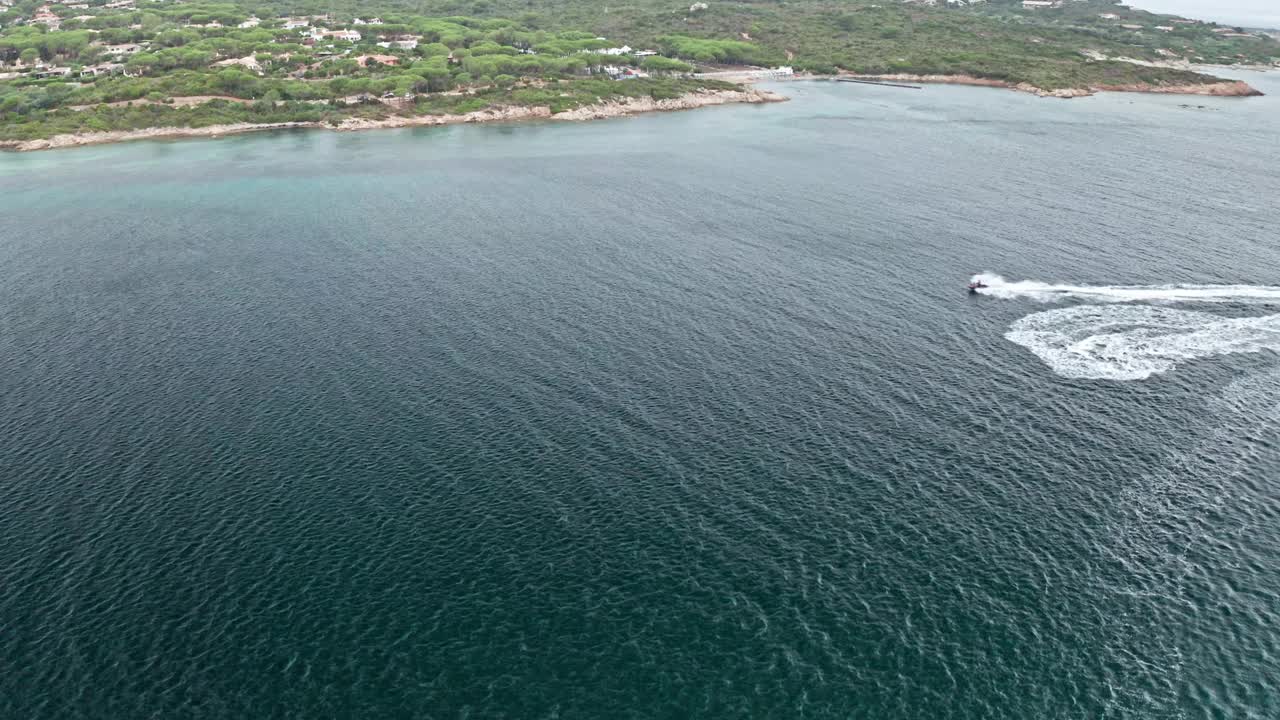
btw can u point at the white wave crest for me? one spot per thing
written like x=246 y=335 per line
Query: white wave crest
x=1047 y=292
x=1110 y=342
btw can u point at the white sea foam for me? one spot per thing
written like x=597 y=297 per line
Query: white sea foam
x=1134 y=342
x=1048 y=292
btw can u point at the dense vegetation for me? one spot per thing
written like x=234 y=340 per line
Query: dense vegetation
x=65 y=69
x=558 y=95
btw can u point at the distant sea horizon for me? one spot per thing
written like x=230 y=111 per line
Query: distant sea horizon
x=1246 y=13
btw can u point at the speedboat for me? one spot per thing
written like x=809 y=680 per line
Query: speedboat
x=975 y=286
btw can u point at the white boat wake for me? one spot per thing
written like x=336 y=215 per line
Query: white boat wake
x=1117 y=341
x=1134 y=342
x=997 y=286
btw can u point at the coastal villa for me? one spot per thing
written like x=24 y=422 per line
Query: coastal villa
x=624 y=50
x=252 y=22
x=622 y=73
x=119 y=5
x=409 y=44
x=102 y=69
x=120 y=51
x=1109 y=16
x=1131 y=27
x=370 y=21
x=348 y=35
x=44 y=16
x=52 y=72
x=1041 y=4
x=364 y=60
x=1164 y=28
x=295 y=23
x=1229 y=33
x=248 y=62
x=319 y=33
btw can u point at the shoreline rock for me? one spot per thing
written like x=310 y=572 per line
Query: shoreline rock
x=689 y=101
x=610 y=109
x=1224 y=88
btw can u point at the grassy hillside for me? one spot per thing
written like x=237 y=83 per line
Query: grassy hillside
x=124 y=65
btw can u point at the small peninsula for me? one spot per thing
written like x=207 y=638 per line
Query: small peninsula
x=88 y=71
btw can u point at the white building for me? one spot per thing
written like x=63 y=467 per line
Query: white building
x=348 y=35
x=119 y=51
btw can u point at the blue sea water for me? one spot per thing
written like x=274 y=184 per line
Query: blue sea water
x=682 y=415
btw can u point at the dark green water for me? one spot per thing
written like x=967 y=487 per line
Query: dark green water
x=674 y=416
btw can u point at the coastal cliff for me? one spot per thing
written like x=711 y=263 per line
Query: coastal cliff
x=608 y=109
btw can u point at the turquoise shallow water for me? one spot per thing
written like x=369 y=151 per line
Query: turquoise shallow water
x=673 y=416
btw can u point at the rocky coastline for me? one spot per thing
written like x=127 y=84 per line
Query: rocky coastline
x=609 y=109
x=1225 y=88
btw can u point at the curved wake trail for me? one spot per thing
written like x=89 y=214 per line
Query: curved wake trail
x=998 y=287
x=1112 y=340
x=1107 y=342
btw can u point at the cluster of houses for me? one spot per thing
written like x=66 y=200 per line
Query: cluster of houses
x=113 y=59
x=948 y=3
x=1220 y=31
x=624 y=50
x=310 y=30
x=622 y=72
x=44 y=14
x=399 y=42
x=1229 y=33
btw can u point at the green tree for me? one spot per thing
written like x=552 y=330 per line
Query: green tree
x=233 y=80
x=434 y=49
x=657 y=63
